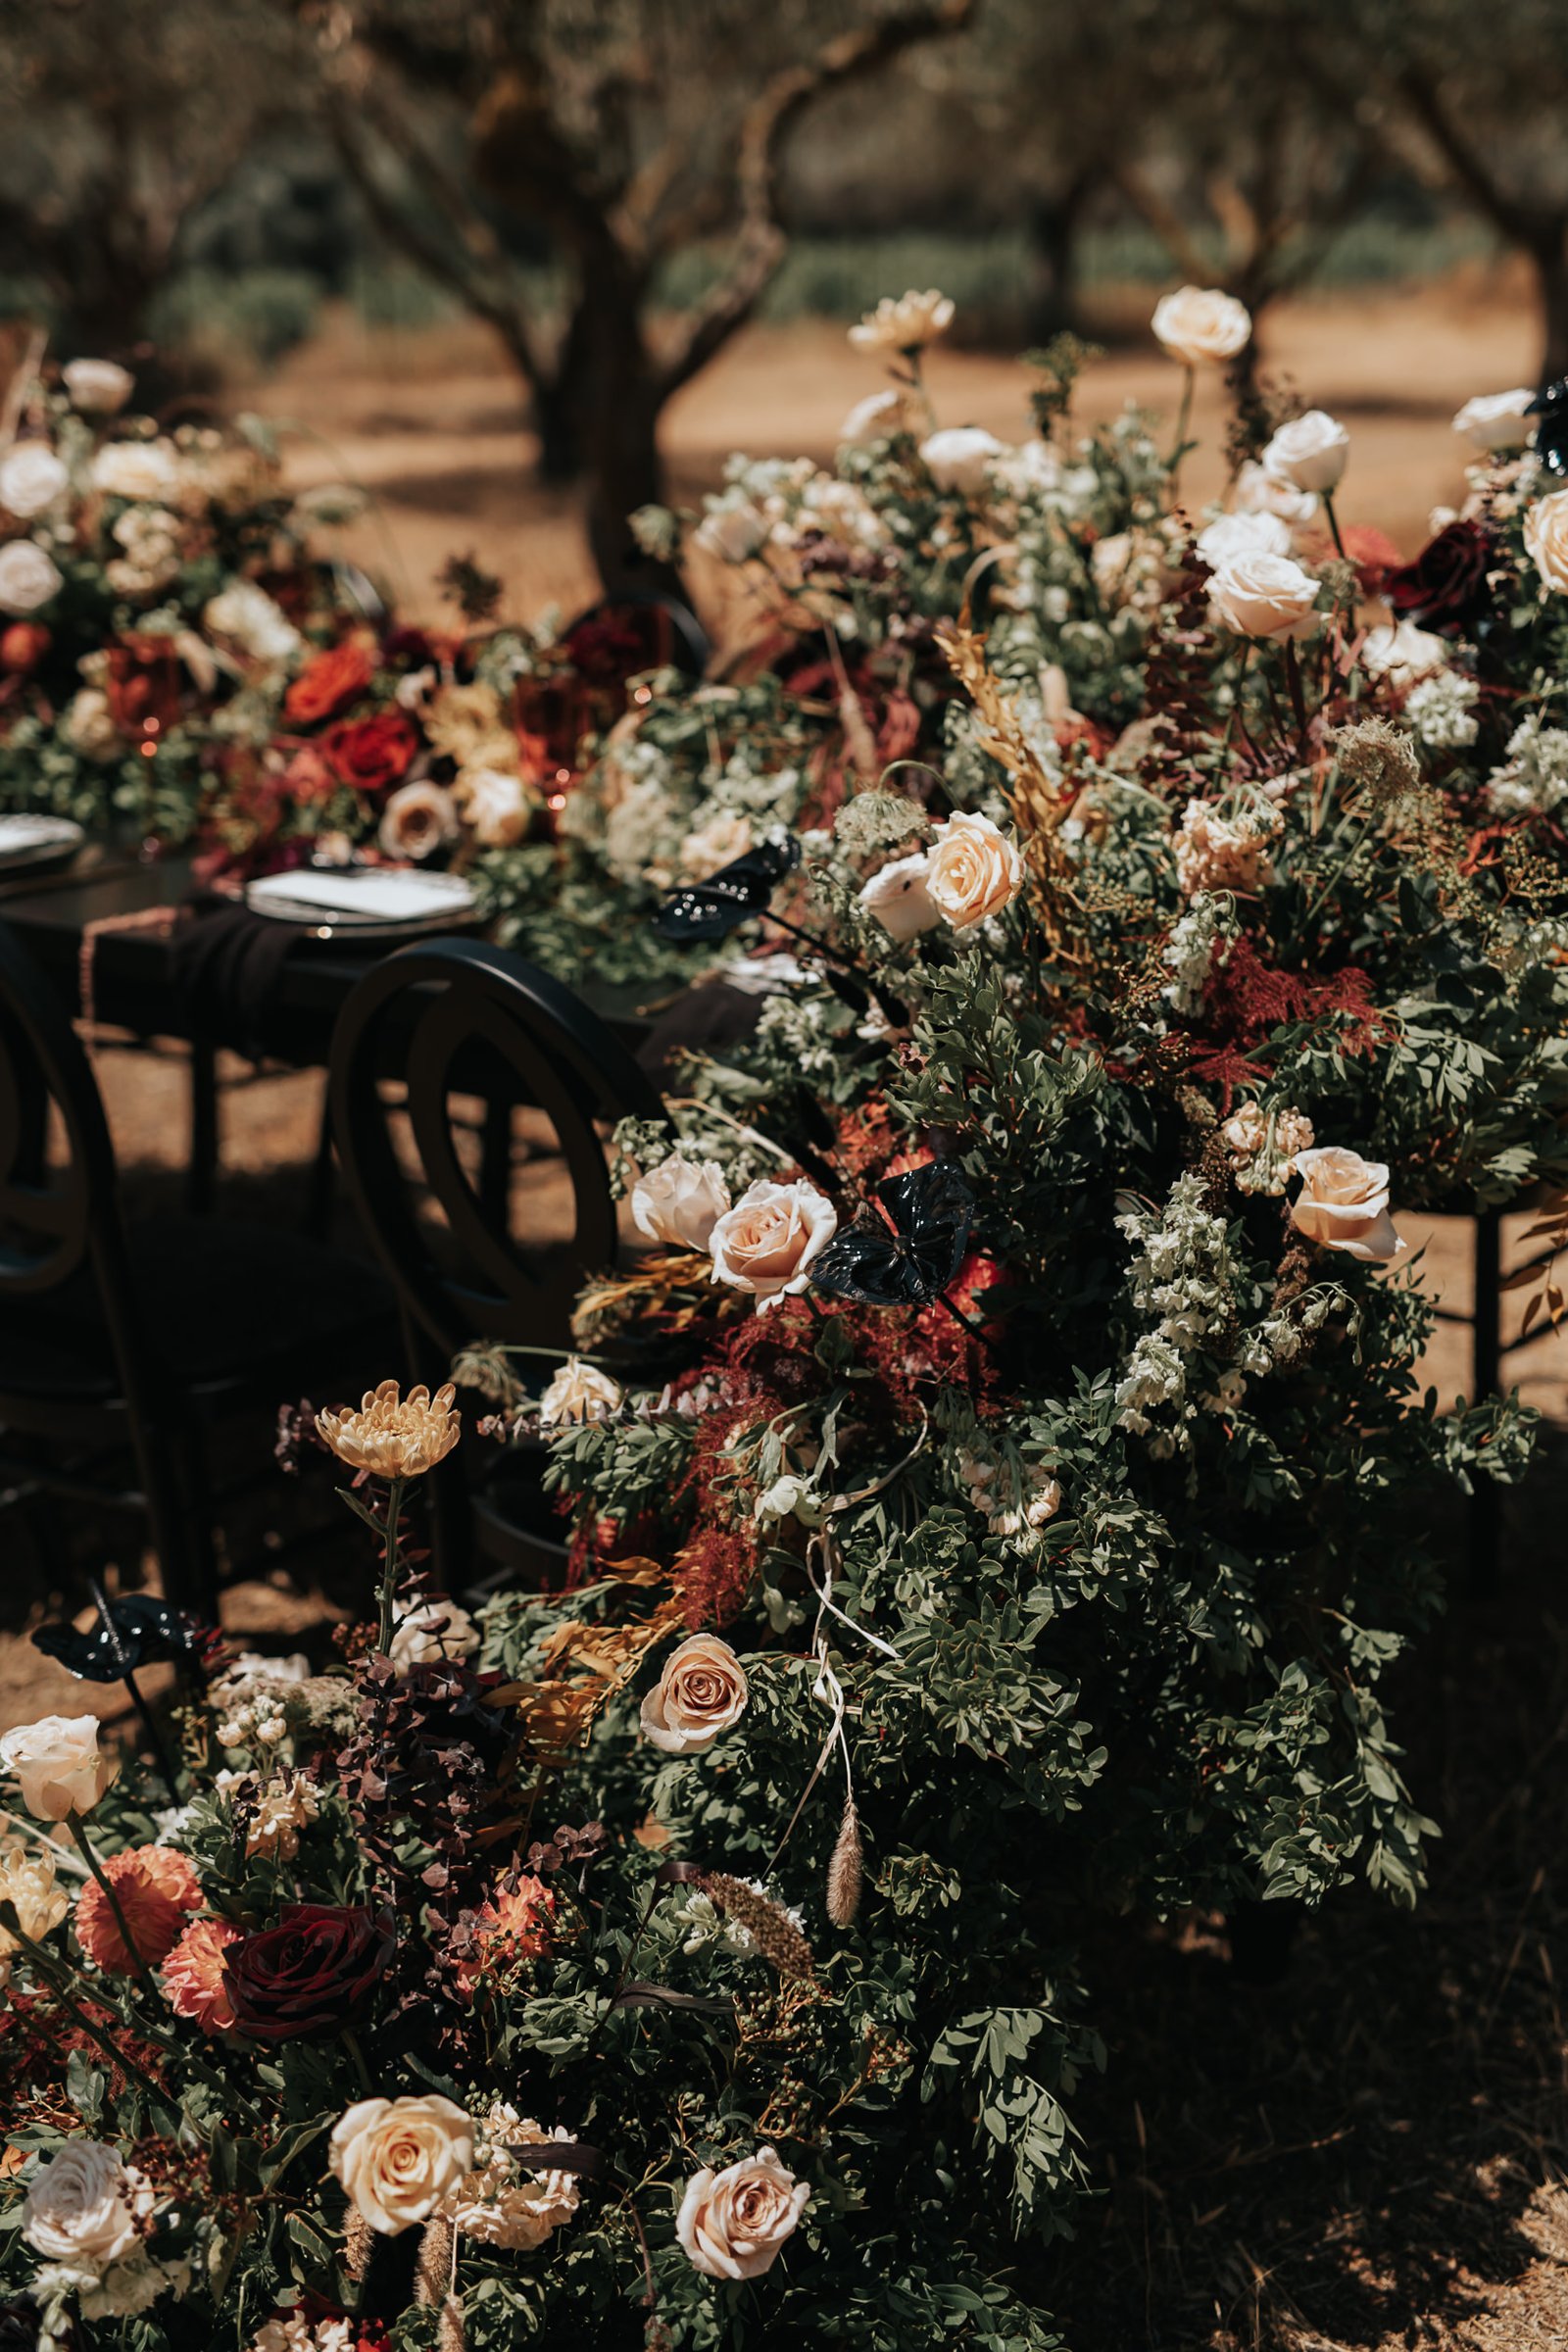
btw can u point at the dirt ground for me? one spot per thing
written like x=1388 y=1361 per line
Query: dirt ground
x=1369 y=2154
x=433 y=425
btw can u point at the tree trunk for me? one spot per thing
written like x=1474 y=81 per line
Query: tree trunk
x=1548 y=252
x=625 y=472
x=1055 y=221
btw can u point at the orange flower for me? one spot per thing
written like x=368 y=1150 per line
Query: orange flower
x=511 y=1927
x=156 y=1888
x=328 y=681
x=193 y=1975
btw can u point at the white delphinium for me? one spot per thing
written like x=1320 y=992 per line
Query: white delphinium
x=1185 y=1279
x=1199 y=939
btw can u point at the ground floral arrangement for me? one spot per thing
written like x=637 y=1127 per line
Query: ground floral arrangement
x=996 y=1494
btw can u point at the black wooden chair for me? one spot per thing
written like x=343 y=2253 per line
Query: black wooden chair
x=121 y=1347
x=424 y=1035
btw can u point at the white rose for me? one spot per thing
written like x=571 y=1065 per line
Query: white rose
x=1256 y=491
x=1343 y=1203
x=1496 y=419
x=1263 y=596
x=89 y=724
x=32 y=477
x=576 y=1394
x=1198 y=324
x=973 y=870
x=434 y=1634
x=494 y=805
x=398 y=2158
x=58 y=1764
x=97 y=387
x=899 y=899
x=27 y=577
x=418 y=820
x=246 y=614
x=732 y=532
x=731 y=2224
x=768 y=1242
x=1402 y=653
x=680 y=1201
x=1231 y=535
x=1545 y=539
x=879 y=417
x=960 y=456
x=699 y=1695
x=147 y=470
x=78 y=2207
x=1309 y=452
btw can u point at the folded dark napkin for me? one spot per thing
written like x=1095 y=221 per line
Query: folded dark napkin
x=226 y=966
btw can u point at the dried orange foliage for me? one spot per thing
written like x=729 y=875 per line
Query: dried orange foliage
x=586 y=1665
x=652 y=1286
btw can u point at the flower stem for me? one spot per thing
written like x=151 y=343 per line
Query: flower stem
x=1334 y=525
x=389 y=1571
x=1183 y=418
x=49 y=1969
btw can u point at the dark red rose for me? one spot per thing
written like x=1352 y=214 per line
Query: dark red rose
x=1445 y=587
x=313 y=1973
x=371 y=754
x=407 y=648
x=328 y=680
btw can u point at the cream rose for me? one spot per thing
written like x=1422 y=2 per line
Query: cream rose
x=879 y=417
x=960 y=458
x=398 y=2158
x=417 y=821
x=732 y=530
x=494 y=805
x=78 y=2207
x=434 y=1634
x=247 y=616
x=701 y=1695
x=97 y=387
x=1343 y=1203
x=973 y=870
x=1309 y=452
x=146 y=469
x=1545 y=539
x=1229 y=536
x=1496 y=421
x=27 y=577
x=578 y=1393
x=731 y=2224
x=680 y=1201
x=1270 y=597
x=90 y=726
x=32 y=477
x=1256 y=491
x=1402 y=652
x=1199 y=325
x=58 y=1764
x=898 y=896
x=768 y=1242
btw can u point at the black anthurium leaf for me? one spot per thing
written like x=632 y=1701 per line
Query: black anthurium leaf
x=911 y=1252
x=713 y=909
x=140 y=1629
x=849 y=991
x=1550 y=408
x=810 y=1121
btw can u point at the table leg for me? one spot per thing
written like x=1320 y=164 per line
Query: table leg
x=200 y=1175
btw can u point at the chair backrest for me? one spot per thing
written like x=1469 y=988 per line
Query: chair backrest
x=454 y=1020
x=58 y=1184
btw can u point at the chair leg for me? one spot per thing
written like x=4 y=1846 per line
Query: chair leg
x=201 y=1176
x=320 y=1196
x=171 y=1524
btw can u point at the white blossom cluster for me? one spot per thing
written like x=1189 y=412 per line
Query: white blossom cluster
x=1534 y=778
x=1185 y=1278
x=1440 y=710
x=704 y=1923
x=1197 y=938
x=1007 y=1511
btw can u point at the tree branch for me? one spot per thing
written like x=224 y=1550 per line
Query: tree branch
x=1163 y=219
x=762 y=243
x=1512 y=219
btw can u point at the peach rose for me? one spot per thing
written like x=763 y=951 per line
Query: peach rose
x=97 y=387
x=1546 y=539
x=899 y=899
x=767 y=1243
x=1270 y=597
x=495 y=805
x=28 y=578
x=731 y=2224
x=973 y=870
x=58 y=1764
x=680 y=1201
x=1344 y=1204
x=578 y=1393
x=701 y=1695
x=398 y=2158
x=1198 y=324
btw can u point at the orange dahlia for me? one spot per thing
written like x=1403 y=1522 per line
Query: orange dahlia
x=514 y=1925
x=194 y=1978
x=156 y=1888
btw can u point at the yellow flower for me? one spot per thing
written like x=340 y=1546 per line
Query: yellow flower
x=393 y=1440
x=28 y=1883
x=906 y=323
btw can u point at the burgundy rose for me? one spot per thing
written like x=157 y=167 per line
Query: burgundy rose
x=1445 y=587
x=313 y=1973
x=371 y=754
